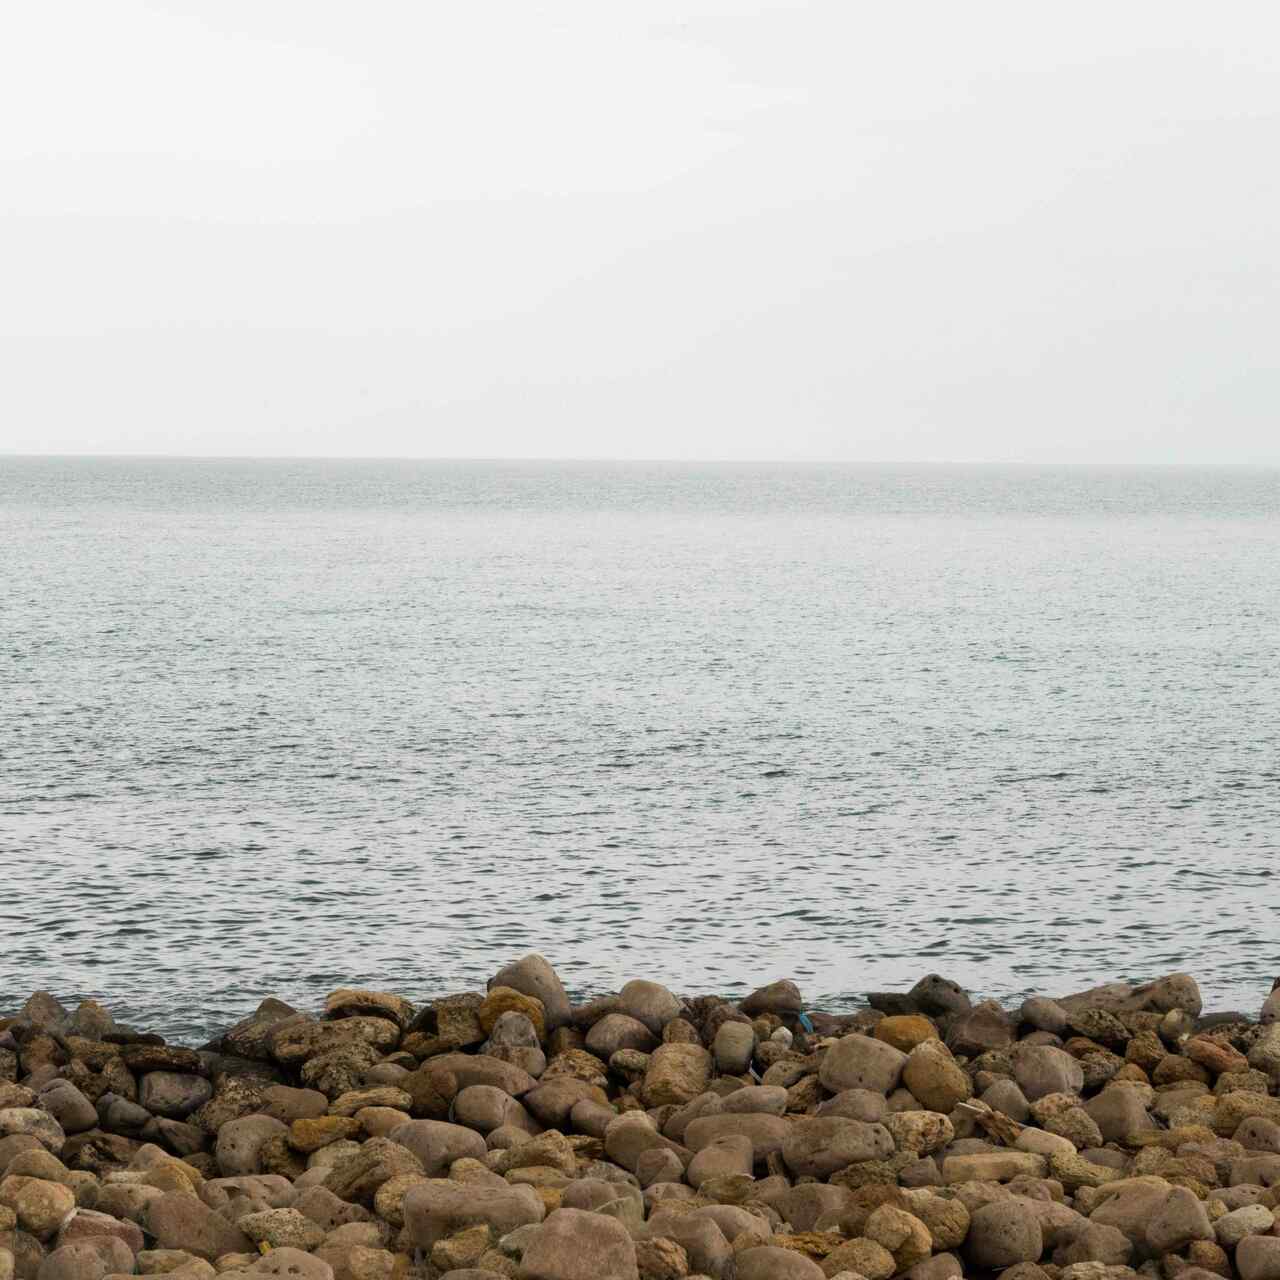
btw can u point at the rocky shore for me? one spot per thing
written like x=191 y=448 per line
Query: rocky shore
x=644 y=1136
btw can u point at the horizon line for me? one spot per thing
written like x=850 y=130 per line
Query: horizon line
x=597 y=459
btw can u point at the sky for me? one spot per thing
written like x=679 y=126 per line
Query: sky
x=707 y=229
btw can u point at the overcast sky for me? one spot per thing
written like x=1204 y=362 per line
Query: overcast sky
x=713 y=229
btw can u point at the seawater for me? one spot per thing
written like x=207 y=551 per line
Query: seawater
x=270 y=727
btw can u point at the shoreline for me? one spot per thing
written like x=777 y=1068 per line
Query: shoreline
x=644 y=1136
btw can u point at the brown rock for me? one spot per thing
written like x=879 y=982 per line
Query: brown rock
x=180 y=1221
x=676 y=1074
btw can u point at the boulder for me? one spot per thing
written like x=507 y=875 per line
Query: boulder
x=781 y=998
x=935 y=1079
x=861 y=1062
x=1004 y=1233
x=1042 y=1069
x=573 y=1244
x=768 y=1262
x=676 y=1074
x=440 y=1207
x=817 y=1146
x=181 y=1221
x=535 y=977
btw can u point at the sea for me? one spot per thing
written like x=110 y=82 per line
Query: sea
x=275 y=727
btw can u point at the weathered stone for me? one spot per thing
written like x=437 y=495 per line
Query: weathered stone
x=817 y=1146
x=860 y=1062
x=179 y=1221
x=782 y=998
x=768 y=1262
x=349 y=1002
x=920 y=1132
x=901 y=1233
x=992 y=1166
x=661 y=1259
x=282 y=1228
x=862 y=1257
x=240 y=1143
x=934 y=1077
x=979 y=1030
x=576 y=1245
x=35 y=1124
x=535 y=977
x=358 y=1176
x=502 y=1000
x=766 y=1132
x=1004 y=1233
x=619 y=1031
x=649 y=1003
x=439 y=1207
x=733 y=1046
x=1258 y=1258
x=1041 y=1070
x=676 y=1074
x=905 y=1031
x=173 y=1094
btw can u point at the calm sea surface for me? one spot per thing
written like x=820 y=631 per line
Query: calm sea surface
x=272 y=727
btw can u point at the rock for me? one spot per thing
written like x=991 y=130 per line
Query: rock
x=349 y=1002
x=451 y=1072
x=767 y=1262
x=702 y=1240
x=905 y=1031
x=860 y=1256
x=291 y=1264
x=761 y=1099
x=282 y=1228
x=676 y=1074
x=42 y=1206
x=920 y=1132
x=535 y=977
x=89 y=1259
x=649 y=1003
x=901 y=1233
x=173 y=1094
x=1119 y=1111
x=88 y=1223
x=1044 y=1014
x=1041 y=1070
x=619 y=1031
x=935 y=1079
x=781 y=998
x=661 y=1259
x=440 y=1207
x=359 y=1176
x=68 y=1106
x=733 y=1046
x=1249 y=1220
x=734 y=1154
x=817 y=1146
x=1179 y=1220
x=992 y=1166
x=1177 y=991
x=766 y=1132
x=573 y=1244
x=979 y=1030
x=437 y=1144
x=1258 y=1258
x=936 y=996
x=1004 y=1233
x=503 y=1000
x=240 y=1143
x=860 y=1062
x=39 y=1125
x=180 y=1221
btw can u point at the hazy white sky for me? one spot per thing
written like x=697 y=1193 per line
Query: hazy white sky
x=716 y=229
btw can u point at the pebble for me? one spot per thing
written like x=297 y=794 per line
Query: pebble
x=648 y=1135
